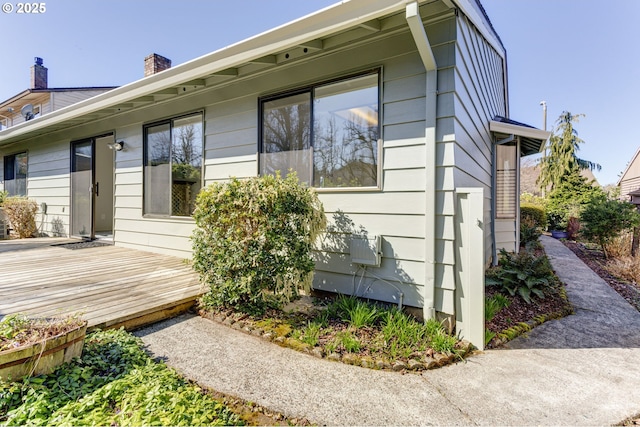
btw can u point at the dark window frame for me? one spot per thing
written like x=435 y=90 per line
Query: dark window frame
x=145 y=158
x=11 y=159
x=310 y=88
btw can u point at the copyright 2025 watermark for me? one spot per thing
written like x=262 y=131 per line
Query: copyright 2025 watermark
x=24 y=8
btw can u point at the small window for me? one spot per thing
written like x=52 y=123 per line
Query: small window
x=329 y=134
x=506 y=181
x=173 y=166
x=15 y=174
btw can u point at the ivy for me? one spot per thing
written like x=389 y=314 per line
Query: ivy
x=114 y=383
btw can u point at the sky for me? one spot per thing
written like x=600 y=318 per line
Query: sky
x=580 y=56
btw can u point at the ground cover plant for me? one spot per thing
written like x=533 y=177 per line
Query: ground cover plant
x=356 y=331
x=114 y=383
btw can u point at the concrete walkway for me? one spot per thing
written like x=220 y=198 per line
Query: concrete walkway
x=580 y=370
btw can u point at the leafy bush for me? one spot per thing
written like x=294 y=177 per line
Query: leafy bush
x=523 y=274
x=536 y=214
x=253 y=239
x=531 y=199
x=3 y=196
x=22 y=215
x=605 y=219
x=529 y=231
x=568 y=199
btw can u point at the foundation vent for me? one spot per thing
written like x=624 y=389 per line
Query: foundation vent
x=366 y=250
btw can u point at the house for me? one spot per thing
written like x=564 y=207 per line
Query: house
x=31 y=103
x=629 y=182
x=396 y=112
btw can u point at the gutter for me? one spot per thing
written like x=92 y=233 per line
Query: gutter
x=426 y=54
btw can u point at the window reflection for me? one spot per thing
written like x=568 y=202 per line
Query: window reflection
x=332 y=142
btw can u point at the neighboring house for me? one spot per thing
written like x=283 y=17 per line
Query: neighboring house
x=30 y=104
x=629 y=181
x=396 y=112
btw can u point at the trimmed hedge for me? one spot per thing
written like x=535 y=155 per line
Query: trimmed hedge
x=537 y=214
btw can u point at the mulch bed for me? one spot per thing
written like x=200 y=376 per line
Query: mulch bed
x=519 y=311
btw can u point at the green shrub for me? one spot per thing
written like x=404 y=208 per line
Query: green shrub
x=569 y=198
x=535 y=213
x=21 y=213
x=3 y=196
x=530 y=231
x=523 y=274
x=531 y=199
x=253 y=239
x=603 y=220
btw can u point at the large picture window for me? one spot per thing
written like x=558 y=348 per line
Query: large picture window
x=173 y=166
x=15 y=174
x=329 y=134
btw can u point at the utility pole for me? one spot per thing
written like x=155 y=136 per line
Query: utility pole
x=544 y=123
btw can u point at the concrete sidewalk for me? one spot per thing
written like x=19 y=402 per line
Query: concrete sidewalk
x=580 y=370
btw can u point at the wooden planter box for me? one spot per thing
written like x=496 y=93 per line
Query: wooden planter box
x=34 y=360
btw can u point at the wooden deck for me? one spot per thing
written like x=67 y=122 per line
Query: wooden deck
x=111 y=286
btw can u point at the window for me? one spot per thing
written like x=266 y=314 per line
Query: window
x=15 y=174
x=173 y=166
x=506 y=170
x=329 y=134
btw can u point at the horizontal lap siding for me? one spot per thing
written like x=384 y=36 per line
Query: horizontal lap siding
x=631 y=179
x=63 y=99
x=165 y=235
x=396 y=213
x=479 y=97
x=48 y=182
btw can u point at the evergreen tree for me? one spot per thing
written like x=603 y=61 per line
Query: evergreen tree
x=562 y=160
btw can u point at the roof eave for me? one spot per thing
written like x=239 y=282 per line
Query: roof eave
x=327 y=21
x=535 y=137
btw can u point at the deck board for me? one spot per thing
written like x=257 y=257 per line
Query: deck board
x=110 y=285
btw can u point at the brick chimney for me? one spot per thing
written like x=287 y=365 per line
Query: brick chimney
x=155 y=63
x=38 y=75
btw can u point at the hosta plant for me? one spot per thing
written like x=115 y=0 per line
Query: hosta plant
x=523 y=274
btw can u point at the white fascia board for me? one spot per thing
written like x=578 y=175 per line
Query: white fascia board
x=325 y=22
x=523 y=131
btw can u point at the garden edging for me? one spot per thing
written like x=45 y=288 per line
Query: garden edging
x=420 y=362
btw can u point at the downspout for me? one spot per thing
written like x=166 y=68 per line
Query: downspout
x=426 y=54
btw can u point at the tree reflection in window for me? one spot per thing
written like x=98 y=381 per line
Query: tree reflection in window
x=346 y=132
x=287 y=136
x=173 y=167
x=333 y=144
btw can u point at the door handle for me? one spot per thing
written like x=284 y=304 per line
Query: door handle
x=97 y=189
